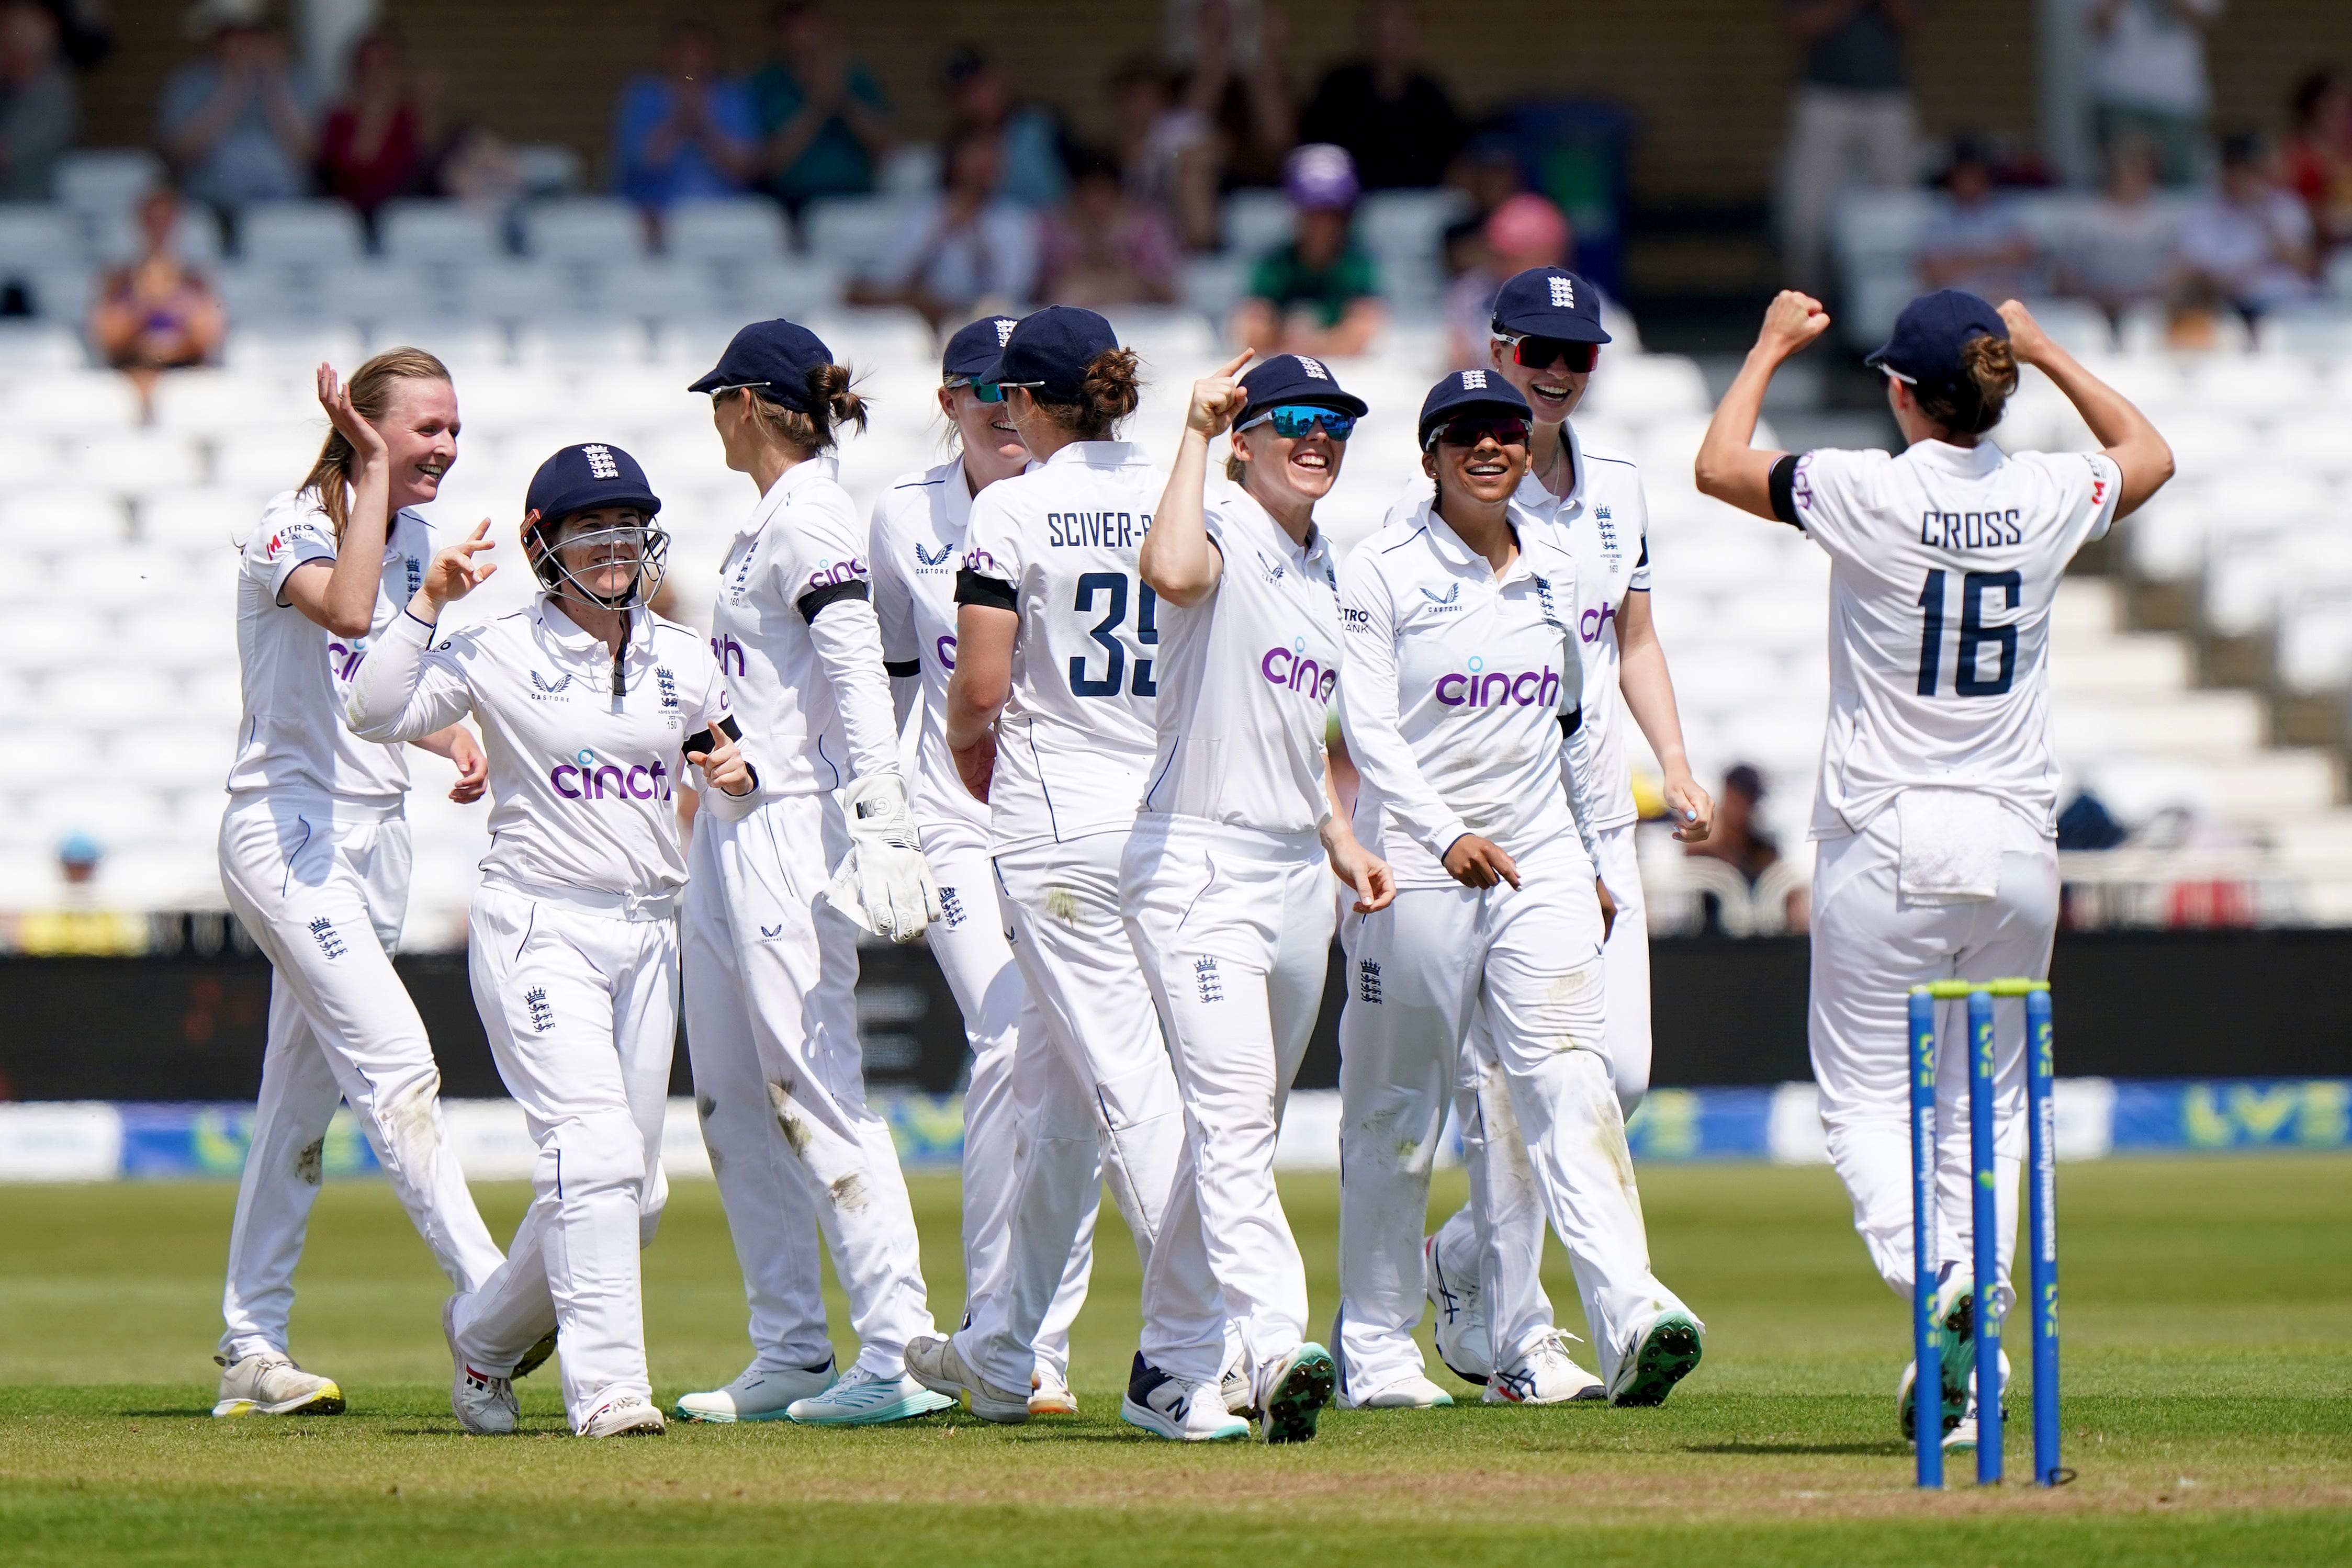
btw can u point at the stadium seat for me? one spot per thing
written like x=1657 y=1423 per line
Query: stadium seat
x=463 y=345
x=195 y=237
x=135 y=462
x=68 y=403
x=855 y=233
x=433 y=232
x=1256 y=222
x=744 y=230
x=296 y=345
x=37 y=235
x=604 y=231
x=267 y=459
x=37 y=346
x=309 y=234
x=593 y=342
x=98 y=183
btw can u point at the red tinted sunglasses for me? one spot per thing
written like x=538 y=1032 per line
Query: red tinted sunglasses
x=1537 y=353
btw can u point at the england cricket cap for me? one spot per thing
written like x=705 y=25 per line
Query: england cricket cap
x=1294 y=378
x=586 y=477
x=972 y=352
x=775 y=359
x=1925 y=347
x=1550 y=302
x=1048 y=352
x=1469 y=391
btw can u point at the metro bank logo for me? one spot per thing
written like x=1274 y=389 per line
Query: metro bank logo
x=1481 y=687
x=585 y=778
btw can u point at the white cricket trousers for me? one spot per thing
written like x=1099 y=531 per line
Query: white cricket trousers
x=771 y=1032
x=321 y=886
x=970 y=944
x=1103 y=1078
x=578 y=993
x=1233 y=930
x=1871 y=946
x=1498 y=993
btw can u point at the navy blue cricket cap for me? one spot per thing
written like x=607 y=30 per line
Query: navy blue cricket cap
x=586 y=477
x=775 y=359
x=972 y=352
x=1550 y=302
x=1925 y=347
x=1469 y=391
x=1294 y=378
x=1048 y=352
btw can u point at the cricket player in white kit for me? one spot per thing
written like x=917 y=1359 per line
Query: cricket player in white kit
x=314 y=856
x=771 y=943
x=919 y=529
x=1458 y=703
x=1936 y=813
x=589 y=705
x=1050 y=719
x=1225 y=886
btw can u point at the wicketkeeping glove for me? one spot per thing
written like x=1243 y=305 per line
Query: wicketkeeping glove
x=884 y=882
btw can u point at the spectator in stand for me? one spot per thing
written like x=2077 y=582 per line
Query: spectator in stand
x=80 y=925
x=1487 y=172
x=478 y=168
x=2249 y=244
x=1851 y=117
x=967 y=252
x=157 y=313
x=376 y=140
x=2319 y=159
x=1167 y=153
x=238 y=124
x=686 y=130
x=825 y=121
x=1525 y=231
x=2118 y=252
x=1738 y=843
x=1105 y=248
x=1977 y=240
x=2147 y=77
x=1318 y=293
x=1241 y=92
x=38 y=109
x=1031 y=146
x=1391 y=116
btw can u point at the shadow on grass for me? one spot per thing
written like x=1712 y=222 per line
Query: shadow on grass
x=1772 y=1450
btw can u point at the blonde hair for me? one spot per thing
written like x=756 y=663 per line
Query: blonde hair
x=374 y=386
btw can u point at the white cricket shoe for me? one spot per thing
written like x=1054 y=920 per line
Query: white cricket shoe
x=1663 y=1354
x=862 y=1398
x=484 y=1404
x=622 y=1417
x=1179 y=1412
x=1463 y=1343
x=1411 y=1392
x=1233 y=1388
x=268 y=1382
x=1544 y=1375
x=756 y=1395
x=1049 y=1395
x=933 y=1360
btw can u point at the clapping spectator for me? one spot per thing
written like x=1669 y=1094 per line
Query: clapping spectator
x=1318 y=293
x=376 y=142
x=2147 y=77
x=1979 y=241
x=1029 y=140
x=1167 y=153
x=2249 y=245
x=966 y=251
x=2118 y=251
x=38 y=109
x=1852 y=115
x=157 y=313
x=1104 y=247
x=2319 y=159
x=822 y=114
x=237 y=124
x=1242 y=95
x=1391 y=116
x=686 y=131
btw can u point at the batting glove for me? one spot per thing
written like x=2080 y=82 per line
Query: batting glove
x=884 y=882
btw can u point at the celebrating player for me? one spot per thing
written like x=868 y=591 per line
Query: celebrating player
x=587 y=700
x=1936 y=812
x=917 y=543
x=314 y=856
x=1222 y=881
x=1459 y=706
x=1049 y=720
x=771 y=944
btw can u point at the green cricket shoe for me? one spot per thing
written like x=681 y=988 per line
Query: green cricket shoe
x=1663 y=1355
x=1953 y=1326
x=1295 y=1395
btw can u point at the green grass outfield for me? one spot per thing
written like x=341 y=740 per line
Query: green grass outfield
x=2208 y=1377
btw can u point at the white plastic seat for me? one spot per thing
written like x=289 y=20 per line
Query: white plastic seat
x=463 y=345
x=133 y=462
x=265 y=460
x=300 y=234
x=74 y=402
x=195 y=237
x=37 y=235
x=597 y=343
x=33 y=347
x=295 y=345
x=208 y=403
x=195 y=522
x=50 y=520
x=48 y=638
x=855 y=233
x=605 y=230
x=1641 y=388
x=548 y=168
x=1256 y=222
x=30 y=459
x=448 y=233
x=97 y=183
x=747 y=229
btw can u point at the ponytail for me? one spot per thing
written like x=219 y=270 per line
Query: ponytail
x=818 y=428
x=1111 y=391
x=374 y=386
x=1989 y=365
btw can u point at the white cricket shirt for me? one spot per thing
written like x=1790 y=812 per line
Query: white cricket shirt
x=917 y=545
x=1944 y=564
x=584 y=783
x=1246 y=678
x=296 y=674
x=1452 y=689
x=1075 y=742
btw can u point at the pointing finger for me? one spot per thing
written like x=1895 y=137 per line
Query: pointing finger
x=1232 y=366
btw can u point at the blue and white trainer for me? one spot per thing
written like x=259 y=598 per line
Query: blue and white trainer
x=1181 y=1412
x=933 y=1360
x=862 y=1398
x=1463 y=1343
x=757 y=1393
x=1545 y=1374
x=1297 y=1388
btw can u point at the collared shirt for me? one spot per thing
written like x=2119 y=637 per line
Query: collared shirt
x=918 y=546
x=1944 y=563
x=295 y=673
x=1246 y=678
x=584 y=783
x=1453 y=685
x=1057 y=545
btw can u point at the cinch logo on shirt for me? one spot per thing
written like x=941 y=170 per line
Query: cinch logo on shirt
x=729 y=652
x=346 y=658
x=1290 y=669
x=1593 y=623
x=1094 y=530
x=945 y=649
x=828 y=573
x=1493 y=688
x=584 y=778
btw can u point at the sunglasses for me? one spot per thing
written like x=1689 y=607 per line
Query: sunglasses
x=1536 y=353
x=993 y=391
x=718 y=395
x=1471 y=431
x=1293 y=420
